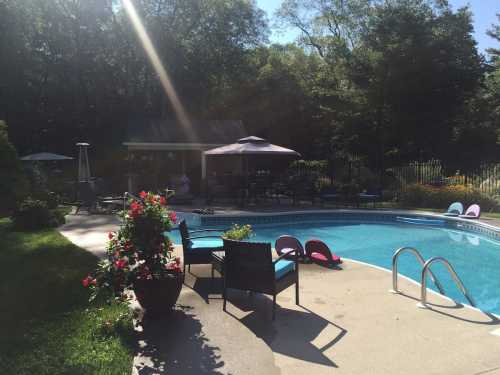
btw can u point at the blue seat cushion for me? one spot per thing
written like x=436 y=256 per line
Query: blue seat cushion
x=282 y=267
x=203 y=243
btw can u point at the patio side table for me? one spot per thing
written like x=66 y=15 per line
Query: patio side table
x=218 y=258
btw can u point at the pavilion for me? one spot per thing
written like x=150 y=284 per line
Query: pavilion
x=161 y=151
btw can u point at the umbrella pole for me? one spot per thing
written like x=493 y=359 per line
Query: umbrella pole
x=246 y=185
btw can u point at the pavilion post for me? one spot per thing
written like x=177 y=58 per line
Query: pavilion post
x=203 y=166
x=183 y=162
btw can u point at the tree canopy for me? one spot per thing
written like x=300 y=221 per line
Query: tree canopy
x=387 y=80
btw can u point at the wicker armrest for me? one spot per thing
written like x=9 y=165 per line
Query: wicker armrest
x=196 y=237
x=284 y=254
x=207 y=230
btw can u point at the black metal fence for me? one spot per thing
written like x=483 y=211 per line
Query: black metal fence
x=485 y=178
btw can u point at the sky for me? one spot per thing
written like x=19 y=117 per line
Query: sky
x=483 y=10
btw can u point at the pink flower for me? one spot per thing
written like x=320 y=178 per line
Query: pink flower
x=173 y=216
x=173 y=267
x=143 y=194
x=87 y=281
x=163 y=201
x=121 y=264
x=110 y=235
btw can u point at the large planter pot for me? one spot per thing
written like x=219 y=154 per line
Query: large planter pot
x=159 y=296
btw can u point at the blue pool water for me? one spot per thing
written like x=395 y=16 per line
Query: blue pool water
x=475 y=258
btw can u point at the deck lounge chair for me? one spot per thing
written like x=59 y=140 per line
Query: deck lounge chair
x=473 y=212
x=197 y=249
x=319 y=252
x=286 y=242
x=249 y=266
x=370 y=195
x=455 y=209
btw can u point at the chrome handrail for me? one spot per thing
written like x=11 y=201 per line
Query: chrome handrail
x=419 y=257
x=458 y=281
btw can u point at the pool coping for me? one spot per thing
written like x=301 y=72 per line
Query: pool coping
x=358 y=215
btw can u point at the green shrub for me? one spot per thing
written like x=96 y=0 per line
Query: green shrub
x=52 y=200
x=57 y=217
x=32 y=214
x=238 y=232
x=13 y=183
x=427 y=196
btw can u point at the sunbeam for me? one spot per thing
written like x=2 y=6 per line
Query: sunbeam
x=160 y=70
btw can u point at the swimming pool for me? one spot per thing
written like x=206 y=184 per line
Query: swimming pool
x=475 y=257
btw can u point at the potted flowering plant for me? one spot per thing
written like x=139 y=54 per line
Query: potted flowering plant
x=140 y=257
x=238 y=232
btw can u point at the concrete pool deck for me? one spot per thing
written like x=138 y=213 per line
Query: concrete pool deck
x=347 y=323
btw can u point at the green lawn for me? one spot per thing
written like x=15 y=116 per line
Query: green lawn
x=46 y=324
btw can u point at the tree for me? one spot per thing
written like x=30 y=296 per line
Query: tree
x=74 y=69
x=331 y=28
x=418 y=66
x=494 y=32
x=402 y=73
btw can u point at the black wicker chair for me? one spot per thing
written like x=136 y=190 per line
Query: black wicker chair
x=198 y=249
x=249 y=266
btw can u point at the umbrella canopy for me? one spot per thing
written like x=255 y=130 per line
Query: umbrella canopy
x=251 y=146
x=45 y=156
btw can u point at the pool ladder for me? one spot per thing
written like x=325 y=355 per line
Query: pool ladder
x=427 y=270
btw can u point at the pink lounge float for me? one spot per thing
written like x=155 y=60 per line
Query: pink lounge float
x=473 y=212
x=286 y=242
x=319 y=251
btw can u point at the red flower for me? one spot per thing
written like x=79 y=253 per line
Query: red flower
x=110 y=235
x=87 y=281
x=143 y=194
x=173 y=216
x=163 y=201
x=174 y=267
x=121 y=264
x=135 y=209
x=134 y=206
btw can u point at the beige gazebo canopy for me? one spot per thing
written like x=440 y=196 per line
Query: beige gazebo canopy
x=248 y=146
x=251 y=146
